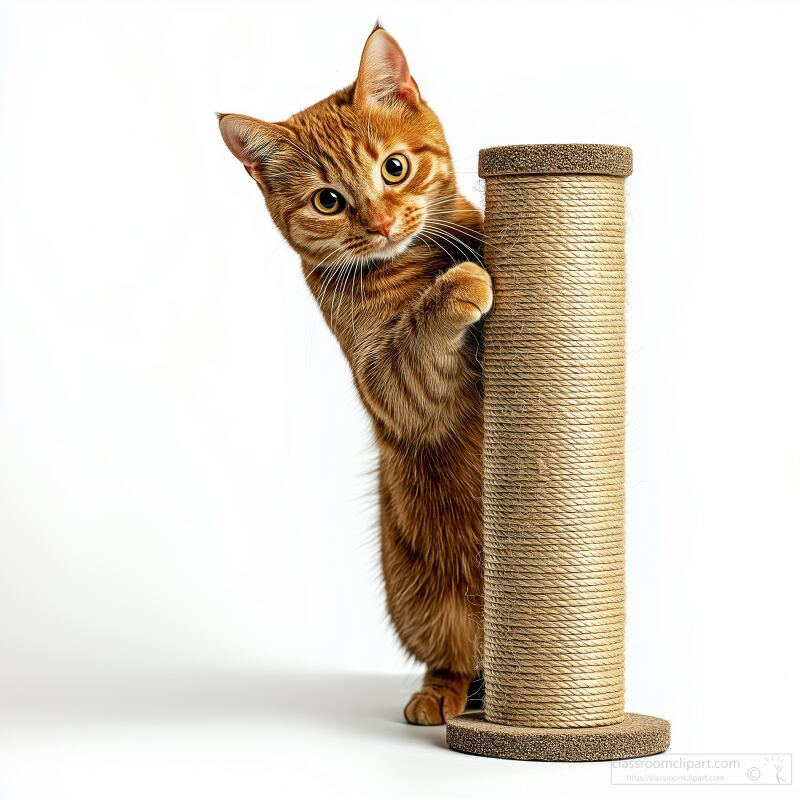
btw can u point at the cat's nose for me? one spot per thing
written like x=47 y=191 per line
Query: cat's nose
x=381 y=227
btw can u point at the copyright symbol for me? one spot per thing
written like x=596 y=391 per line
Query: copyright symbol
x=753 y=774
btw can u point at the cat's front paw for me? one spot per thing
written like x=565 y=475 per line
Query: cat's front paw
x=470 y=291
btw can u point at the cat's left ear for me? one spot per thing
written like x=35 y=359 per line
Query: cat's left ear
x=383 y=75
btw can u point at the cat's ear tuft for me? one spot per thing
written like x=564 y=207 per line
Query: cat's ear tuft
x=383 y=75
x=251 y=140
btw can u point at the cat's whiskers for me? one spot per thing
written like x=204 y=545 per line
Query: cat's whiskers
x=421 y=236
x=352 y=294
x=341 y=270
x=321 y=263
x=337 y=269
x=440 y=212
x=472 y=233
x=469 y=231
x=332 y=253
x=442 y=200
x=449 y=240
x=340 y=285
x=466 y=232
x=427 y=239
x=440 y=229
x=332 y=270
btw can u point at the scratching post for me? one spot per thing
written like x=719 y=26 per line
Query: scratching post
x=554 y=449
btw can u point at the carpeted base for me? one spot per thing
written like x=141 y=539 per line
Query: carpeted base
x=637 y=735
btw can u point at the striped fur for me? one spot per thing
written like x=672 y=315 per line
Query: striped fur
x=406 y=309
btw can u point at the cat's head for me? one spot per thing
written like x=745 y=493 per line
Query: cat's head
x=353 y=176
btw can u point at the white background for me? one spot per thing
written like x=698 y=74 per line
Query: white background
x=189 y=593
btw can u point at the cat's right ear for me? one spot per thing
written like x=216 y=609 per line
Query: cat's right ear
x=252 y=141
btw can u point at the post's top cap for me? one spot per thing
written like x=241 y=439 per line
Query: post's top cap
x=555 y=159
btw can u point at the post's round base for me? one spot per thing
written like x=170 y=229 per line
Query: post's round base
x=637 y=735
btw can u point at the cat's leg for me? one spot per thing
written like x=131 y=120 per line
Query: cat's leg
x=437 y=615
x=445 y=636
x=412 y=374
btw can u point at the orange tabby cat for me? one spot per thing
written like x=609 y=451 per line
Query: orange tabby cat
x=362 y=187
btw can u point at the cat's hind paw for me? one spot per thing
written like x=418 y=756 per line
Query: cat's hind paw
x=432 y=706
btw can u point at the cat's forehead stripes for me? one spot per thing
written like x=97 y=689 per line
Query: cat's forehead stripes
x=340 y=141
x=347 y=140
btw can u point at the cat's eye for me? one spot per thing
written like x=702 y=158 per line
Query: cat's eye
x=326 y=201
x=395 y=168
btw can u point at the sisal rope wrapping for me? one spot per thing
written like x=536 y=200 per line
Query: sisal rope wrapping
x=554 y=374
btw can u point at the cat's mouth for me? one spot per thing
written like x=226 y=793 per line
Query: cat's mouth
x=391 y=247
